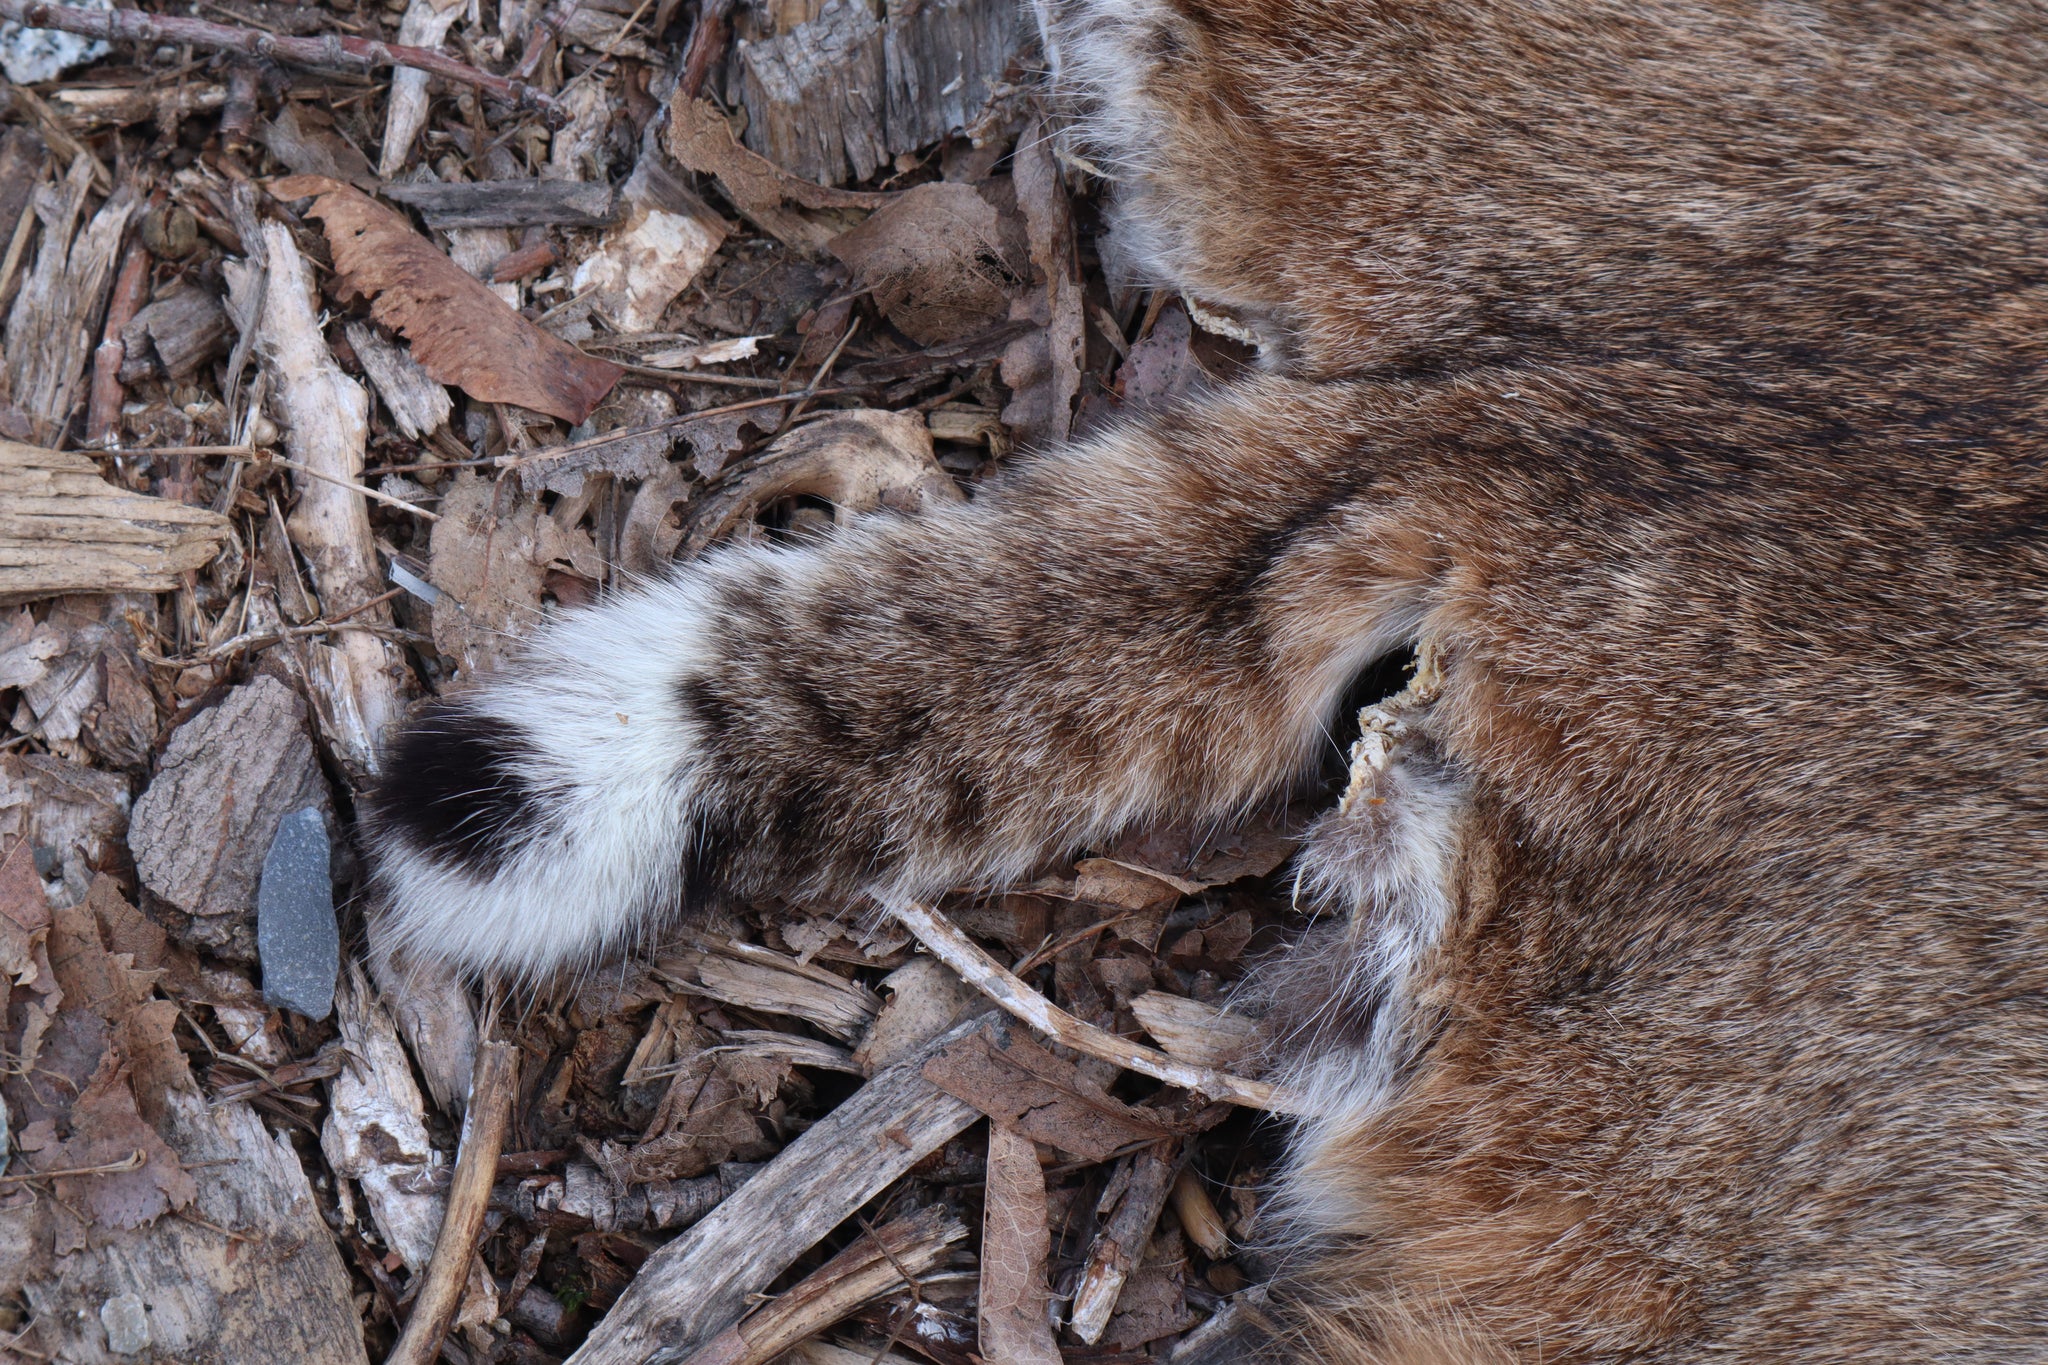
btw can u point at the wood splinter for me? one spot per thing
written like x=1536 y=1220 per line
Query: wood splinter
x=992 y=979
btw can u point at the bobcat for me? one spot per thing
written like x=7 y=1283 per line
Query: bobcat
x=1669 y=376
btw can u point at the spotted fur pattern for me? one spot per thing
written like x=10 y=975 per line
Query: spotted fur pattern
x=1670 y=375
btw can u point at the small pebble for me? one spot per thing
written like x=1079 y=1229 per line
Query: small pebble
x=297 y=940
x=126 y=1319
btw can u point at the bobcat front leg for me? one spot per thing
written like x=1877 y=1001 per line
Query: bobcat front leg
x=1157 y=623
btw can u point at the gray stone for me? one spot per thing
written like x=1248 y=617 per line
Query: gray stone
x=297 y=940
x=126 y=1319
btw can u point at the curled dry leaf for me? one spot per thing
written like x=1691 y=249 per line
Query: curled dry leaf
x=460 y=331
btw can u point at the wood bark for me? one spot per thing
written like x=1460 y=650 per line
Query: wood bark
x=64 y=529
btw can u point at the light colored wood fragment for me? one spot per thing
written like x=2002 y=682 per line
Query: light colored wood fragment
x=50 y=330
x=1122 y=1241
x=469 y=1198
x=376 y=1130
x=1195 y=1032
x=65 y=529
x=871 y=1268
x=414 y=400
x=993 y=980
x=759 y=978
x=425 y=24
x=698 y=1284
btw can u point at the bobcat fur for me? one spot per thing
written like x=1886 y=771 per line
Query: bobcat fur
x=1669 y=375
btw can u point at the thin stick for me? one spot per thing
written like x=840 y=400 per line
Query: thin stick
x=372 y=494
x=329 y=50
x=985 y=974
x=469 y=1198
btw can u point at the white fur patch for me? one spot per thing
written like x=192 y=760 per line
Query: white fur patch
x=610 y=757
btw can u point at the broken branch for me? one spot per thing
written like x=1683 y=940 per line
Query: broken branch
x=988 y=976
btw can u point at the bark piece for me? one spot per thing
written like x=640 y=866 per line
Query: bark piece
x=1020 y=1085
x=758 y=978
x=376 y=1132
x=175 y=335
x=508 y=203
x=51 y=327
x=1195 y=1032
x=65 y=529
x=416 y=403
x=226 y=780
x=1015 y=1241
x=71 y=816
x=938 y=261
x=1154 y=1301
x=945 y=61
x=297 y=940
x=663 y=239
x=696 y=1285
x=1122 y=1241
x=460 y=331
x=874 y=1266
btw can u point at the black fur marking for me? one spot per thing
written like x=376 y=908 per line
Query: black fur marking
x=452 y=788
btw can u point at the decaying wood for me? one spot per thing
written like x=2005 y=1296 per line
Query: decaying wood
x=1020 y=1085
x=507 y=203
x=875 y=1265
x=50 y=328
x=64 y=529
x=1015 y=1241
x=837 y=97
x=758 y=978
x=1122 y=1241
x=985 y=974
x=696 y=1285
x=376 y=1131
x=201 y=829
x=354 y=683
x=424 y=25
x=700 y=140
x=103 y=408
x=175 y=335
x=1194 y=1032
x=469 y=1195
x=416 y=403
x=330 y=50
x=431 y=1007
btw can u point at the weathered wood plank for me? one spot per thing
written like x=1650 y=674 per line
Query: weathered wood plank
x=65 y=529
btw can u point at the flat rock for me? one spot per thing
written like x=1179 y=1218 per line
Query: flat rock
x=297 y=940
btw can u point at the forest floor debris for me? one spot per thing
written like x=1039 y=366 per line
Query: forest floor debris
x=345 y=343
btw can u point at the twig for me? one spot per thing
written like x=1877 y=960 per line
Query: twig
x=469 y=1198
x=988 y=976
x=372 y=494
x=103 y=406
x=132 y=1162
x=328 y=50
x=707 y=42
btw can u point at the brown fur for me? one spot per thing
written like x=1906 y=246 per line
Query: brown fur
x=1673 y=372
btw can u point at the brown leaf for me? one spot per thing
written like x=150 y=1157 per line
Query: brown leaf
x=460 y=331
x=701 y=140
x=1015 y=1239
x=939 y=263
x=108 y=1131
x=1020 y=1084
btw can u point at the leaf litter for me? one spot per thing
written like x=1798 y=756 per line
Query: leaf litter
x=546 y=346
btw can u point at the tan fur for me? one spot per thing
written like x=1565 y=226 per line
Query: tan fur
x=1673 y=374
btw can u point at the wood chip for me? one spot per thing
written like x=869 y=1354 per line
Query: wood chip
x=460 y=331
x=64 y=529
x=1122 y=1240
x=507 y=203
x=1195 y=1032
x=1020 y=1085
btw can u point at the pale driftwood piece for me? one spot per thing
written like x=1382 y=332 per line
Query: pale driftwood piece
x=759 y=978
x=993 y=980
x=50 y=328
x=1016 y=1239
x=1122 y=1241
x=425 y=24
x=376 y=1131
x=226 y=780
x=1194 y=1032
x=698 y=1284
x=91 y=108
x=507 y=203
x=469 y=1196
x=874 y=1266
x=781 y=1047
x=1240 y=1331
x=356 y=691
x=65 y=529
x=414 y=400
x=176 y=334
x=247 y=1272
x=431 y=1007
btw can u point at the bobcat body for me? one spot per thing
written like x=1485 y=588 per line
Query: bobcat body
x=1670 y=377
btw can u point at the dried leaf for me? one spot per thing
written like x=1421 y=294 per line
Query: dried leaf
x=701 y=140
x=460 y=331
x=1015 y=1240
x=939 y=262
x=1018 y=1083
